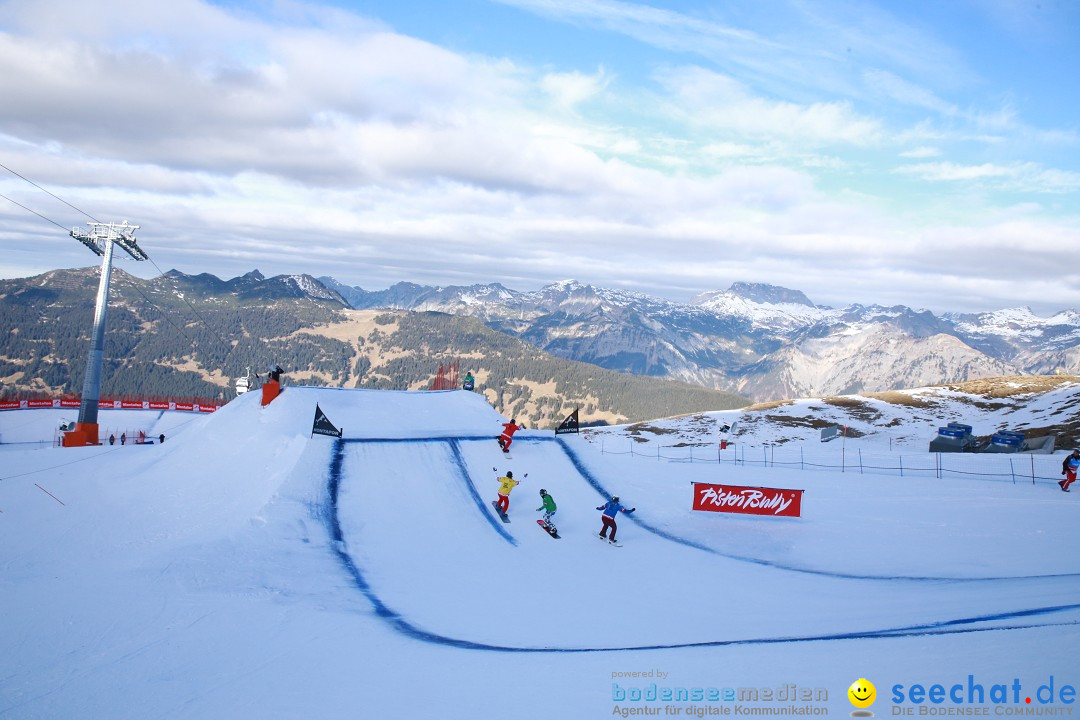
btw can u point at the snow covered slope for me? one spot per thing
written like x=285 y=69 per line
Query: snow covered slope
x=246 y=569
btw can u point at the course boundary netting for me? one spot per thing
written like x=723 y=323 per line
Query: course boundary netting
x=1012 y=467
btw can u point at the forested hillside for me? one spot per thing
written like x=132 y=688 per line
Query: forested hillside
x=517 y=378
x=165 y=336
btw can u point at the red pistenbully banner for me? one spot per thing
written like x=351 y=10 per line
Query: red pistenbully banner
x=776 y=502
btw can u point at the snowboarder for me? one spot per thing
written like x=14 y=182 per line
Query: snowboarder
x=469 y=382
x=548 y=507
x=508 y=434
x=611 y=509
x=1068 y=469
x=507 y=484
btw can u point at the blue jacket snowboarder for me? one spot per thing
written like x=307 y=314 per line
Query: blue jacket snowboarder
x=611 y=509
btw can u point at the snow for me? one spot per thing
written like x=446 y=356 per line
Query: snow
x=246 y=569
x=769 y=316
x=1021 y=324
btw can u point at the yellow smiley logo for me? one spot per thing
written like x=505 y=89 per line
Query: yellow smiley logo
x=862 y=693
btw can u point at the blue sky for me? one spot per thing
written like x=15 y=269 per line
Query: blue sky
x=917 y=153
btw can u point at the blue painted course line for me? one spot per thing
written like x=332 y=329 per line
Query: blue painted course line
x=408 y=629
x=382 y=610
x=433 y=438
x=596 y=485
x=481 y=504
x=447 y=438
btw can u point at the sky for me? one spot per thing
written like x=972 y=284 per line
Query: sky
x=917 y=153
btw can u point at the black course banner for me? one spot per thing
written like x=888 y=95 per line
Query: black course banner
x=569 y=425
x=322 y=424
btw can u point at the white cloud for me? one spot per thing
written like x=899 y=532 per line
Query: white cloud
x=921 y=152
x=945 y=171
x=568 y=90
x=709 y=99
x=1026 y=177
x=905 y=92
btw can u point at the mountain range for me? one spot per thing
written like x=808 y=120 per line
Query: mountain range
x=195 y=333
x=761 y=341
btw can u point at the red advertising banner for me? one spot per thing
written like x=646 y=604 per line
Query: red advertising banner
x=776 y=502
x=107 y=403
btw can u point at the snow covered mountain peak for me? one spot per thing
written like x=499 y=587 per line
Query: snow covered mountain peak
x=766 y=294
x=1018 y=323
x=764 y=306
x=311 y=287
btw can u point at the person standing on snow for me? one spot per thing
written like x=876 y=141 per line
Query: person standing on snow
x=1068 y=469
x=507 y=484
x=469 y=383
x=548 y=507
x=508 y=434
x=611 y=509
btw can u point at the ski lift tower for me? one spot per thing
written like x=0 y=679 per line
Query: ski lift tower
x=100 y=239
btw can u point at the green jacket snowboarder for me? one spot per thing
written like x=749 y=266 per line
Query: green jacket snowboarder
x=548 y=507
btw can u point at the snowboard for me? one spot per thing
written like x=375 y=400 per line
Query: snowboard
x=605 y=541
x=501 y=514
x=550 y=530
x=506 y=450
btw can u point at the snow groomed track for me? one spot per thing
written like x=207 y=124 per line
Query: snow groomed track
x=425 y=531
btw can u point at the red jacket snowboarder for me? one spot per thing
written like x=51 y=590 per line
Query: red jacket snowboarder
x=507 y=436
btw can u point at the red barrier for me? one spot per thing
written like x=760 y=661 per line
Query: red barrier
x=747 y=500
x=270 y=390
